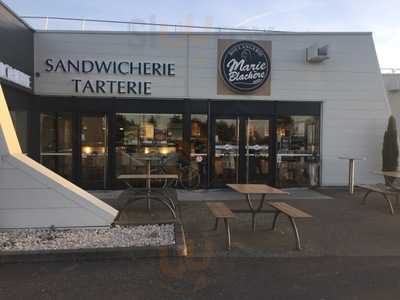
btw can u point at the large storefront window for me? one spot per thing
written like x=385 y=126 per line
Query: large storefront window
x=298 y=151
x=20 y=120
x=56 y=142
x=219 y=147
x=199 y=146
x=139 y=135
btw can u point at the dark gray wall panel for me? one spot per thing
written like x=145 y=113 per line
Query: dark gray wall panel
x=17 y=99
x=16 y=42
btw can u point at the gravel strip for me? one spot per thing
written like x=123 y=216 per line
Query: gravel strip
x=56 y=239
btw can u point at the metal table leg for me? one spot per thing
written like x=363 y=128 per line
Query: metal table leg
x=164 y=192
x=148 y=185
x=228 y=234
x=296 y=233
x=253 y=210
x=352 y=169
x=351 y=175
x=150 y=197
x=216 y=224
x=253 y=214
x=277 y=213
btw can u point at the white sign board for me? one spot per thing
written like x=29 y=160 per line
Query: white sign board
x=9 y=73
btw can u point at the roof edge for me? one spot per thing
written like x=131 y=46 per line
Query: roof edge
x=16 y=16
x=208 y=33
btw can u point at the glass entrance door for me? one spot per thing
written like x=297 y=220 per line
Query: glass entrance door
x=93 y=151
x=226 y=152
x=257 y=150
x=242 y=151
x=56 y=143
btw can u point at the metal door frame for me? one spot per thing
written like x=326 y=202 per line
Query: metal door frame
x=271 y=146
x=242 y=168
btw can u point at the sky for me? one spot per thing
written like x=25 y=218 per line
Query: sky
x=380 y=17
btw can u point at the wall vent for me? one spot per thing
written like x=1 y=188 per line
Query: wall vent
x=315 y=54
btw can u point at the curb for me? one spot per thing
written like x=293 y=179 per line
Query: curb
x=179 y=249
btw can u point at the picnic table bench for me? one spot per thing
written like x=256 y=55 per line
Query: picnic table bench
x=221 y=211
x=382 y=189
x=292 y=213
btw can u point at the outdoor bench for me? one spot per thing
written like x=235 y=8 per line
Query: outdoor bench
x=221 y=211
x=382 y=189
x=292 y=213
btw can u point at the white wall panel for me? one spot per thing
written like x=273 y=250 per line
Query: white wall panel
x=39 y=217
x=37 y=198
x=17 y=179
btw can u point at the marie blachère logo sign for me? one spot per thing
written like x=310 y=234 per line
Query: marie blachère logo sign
x=244 y=67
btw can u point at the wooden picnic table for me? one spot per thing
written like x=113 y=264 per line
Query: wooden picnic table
x=250 y=190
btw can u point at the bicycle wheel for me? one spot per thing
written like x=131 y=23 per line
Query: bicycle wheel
x=189 y=178
x=163 y=183
x=159 y=182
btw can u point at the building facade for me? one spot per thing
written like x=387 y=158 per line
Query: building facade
x=273 y=107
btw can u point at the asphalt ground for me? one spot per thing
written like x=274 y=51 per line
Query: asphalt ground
x=206 y=278
x=340 y=226
x=350 y=252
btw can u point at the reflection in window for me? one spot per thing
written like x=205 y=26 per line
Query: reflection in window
x=56 y=142
x=20 y=120
x=139 y=135
x=226 y=156
x=298 y=151
x=93 y=151
x=199 y=146
x=257 y=150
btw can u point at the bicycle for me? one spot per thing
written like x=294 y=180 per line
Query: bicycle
x=188 y=177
